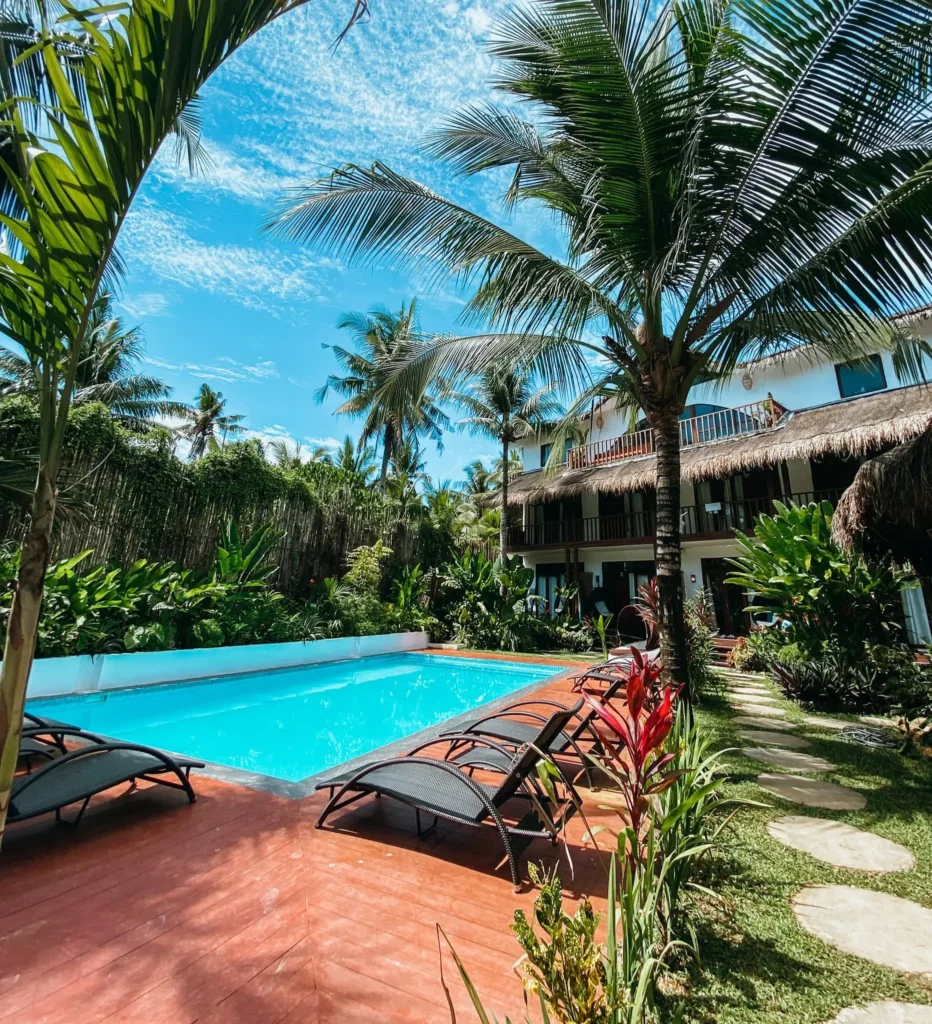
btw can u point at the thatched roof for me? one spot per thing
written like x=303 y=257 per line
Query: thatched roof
x=888 y=508
x=853 y=426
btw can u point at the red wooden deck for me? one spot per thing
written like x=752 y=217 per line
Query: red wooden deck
x=237 y=909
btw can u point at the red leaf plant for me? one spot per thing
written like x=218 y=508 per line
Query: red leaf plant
x=636 y=760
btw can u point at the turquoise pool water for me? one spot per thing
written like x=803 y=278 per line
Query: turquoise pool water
x=296 y=722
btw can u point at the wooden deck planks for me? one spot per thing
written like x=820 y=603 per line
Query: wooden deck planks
x=238 y=911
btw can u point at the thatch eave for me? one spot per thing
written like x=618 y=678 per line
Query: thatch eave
x=850 y=427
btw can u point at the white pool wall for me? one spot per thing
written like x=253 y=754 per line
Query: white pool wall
x=55 y=677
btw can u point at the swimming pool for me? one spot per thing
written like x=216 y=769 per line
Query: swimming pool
x=293 y=723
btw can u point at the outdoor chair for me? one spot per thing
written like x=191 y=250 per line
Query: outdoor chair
x=99 y=765
x=442 y=789
x=41 y=738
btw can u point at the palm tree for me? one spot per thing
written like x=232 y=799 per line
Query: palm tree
x=104 y=374
x=206 y=420
x=734 y=178
x=352 y=456
x=504 y=404
x=478 y=479
x=382 y=338
x=145 y=67
x=287 y=456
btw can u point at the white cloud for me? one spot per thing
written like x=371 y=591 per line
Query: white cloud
x=478 y=20
x=146 y=305
x=230 y=173
x=266 y=279
x=230 y=371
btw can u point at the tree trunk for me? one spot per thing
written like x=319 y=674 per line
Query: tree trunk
x=21 y=631
x=503 y=529
x=387 y=446
x=667 y=551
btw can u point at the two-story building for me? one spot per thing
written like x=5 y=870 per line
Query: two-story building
x=795 y=428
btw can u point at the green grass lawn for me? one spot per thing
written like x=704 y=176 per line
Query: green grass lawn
x=757 y=964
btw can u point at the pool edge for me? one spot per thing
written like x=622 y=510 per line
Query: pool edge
x=305 y=787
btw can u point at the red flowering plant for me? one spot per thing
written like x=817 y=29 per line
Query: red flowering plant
x=633 y=751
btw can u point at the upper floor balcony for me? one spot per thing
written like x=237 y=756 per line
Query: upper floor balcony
x=710 y=521
x=720 y=425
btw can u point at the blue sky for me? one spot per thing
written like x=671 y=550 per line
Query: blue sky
x=221 y=302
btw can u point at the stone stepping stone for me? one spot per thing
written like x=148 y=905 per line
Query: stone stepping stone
x=842 y=845
x=881 y=723
x=812 y=792
x=751 y=698
x=756 y=722
x=886 y=1013
x=748 y=691
x=795 y=759
x=828 y=723
x=776 y=739
x=879 y=927
x=759 y=709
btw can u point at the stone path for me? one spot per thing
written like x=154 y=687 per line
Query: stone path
x=841 y=845
x=775 y=739
x=875 y=925
x=759 y=709
x=886 y=1013
x=756 y=722
x=882 y=928
x=812 y=792
x=795 y=760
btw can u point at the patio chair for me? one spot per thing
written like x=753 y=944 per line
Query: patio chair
x=442 y=789
x=41 y=739
x=87 y=770
x=520 y=723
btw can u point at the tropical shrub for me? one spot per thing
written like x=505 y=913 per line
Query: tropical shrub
x=826 y=596
x=879 y=679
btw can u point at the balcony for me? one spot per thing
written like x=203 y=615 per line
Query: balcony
x=720 y=425
x=716 y=519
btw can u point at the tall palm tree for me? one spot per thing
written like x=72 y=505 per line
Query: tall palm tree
x=733 y=177
x=478 y=479
x=353 y=456
x=504 y=404
x=141 y=73
x=104 y=374
x=206 y=420
x=381 y=339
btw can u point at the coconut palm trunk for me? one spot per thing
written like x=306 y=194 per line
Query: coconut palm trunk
x=22 y=627
x=503 y=529
x=388 y=446
x=667 y=552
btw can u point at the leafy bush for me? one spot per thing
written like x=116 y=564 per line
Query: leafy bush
x=208 y=633
x=879 y=679
x=827 y=597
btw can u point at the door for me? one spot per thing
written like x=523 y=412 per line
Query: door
x=728 y=601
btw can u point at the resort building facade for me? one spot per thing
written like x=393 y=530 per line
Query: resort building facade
x=795 y=429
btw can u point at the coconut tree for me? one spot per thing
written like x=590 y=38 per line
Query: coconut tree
x=106 y=373
x=503 y=404
x=732 y=178
x=206 y=420
x=73 y=174
x=352 y=456
x=383 y=337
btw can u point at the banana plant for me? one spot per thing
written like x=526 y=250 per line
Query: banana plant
x=74 y=177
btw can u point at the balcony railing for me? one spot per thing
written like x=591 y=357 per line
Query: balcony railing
x=711 y=426
x=722 y=517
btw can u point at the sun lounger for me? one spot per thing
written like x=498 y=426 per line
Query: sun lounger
x=81 y=773
x=440 y=788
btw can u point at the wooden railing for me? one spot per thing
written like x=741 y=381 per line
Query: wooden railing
x=711 y=426
x=712 y=518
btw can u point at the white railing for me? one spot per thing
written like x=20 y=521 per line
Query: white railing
x=711 y=426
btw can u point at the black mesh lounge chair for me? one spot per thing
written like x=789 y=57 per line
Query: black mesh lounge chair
x=41 y=738
x=443 y=790
x=87 y=770
x=520 y=723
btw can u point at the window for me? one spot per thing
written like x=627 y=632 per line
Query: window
x=545 y=450
x=860 y=377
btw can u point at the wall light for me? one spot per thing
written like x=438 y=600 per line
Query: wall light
x=692 y=577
